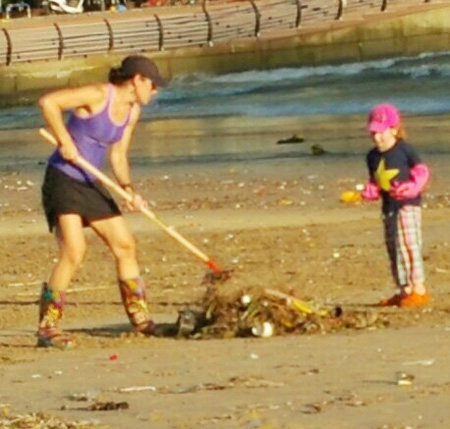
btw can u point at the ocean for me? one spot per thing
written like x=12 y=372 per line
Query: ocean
x=239 y=116
x=416 y=85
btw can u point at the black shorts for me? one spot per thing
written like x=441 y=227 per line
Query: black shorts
x=61 y=194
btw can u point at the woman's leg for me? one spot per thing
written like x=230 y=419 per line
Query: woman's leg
x=115 y=233
x=72 y=247
x=117 y=236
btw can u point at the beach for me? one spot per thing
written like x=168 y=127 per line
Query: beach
x=271 y=213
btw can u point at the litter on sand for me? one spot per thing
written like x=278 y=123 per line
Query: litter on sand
x=267 y=313
x=43 y=421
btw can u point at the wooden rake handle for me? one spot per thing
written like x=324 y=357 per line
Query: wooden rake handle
x=105 y=180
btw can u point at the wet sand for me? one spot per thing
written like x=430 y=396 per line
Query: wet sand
x=272 y=214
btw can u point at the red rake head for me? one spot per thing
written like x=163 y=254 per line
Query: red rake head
x=214 y=266
x=217 y=276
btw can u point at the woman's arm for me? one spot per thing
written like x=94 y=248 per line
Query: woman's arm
x=120 y=165
x=118 y=155
x=52 y=105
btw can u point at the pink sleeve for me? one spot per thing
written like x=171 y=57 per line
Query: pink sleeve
x=412 y=188
x=420 y=174
x=371 y=192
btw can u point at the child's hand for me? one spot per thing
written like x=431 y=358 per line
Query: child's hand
x=408 y=189
x=404 y=190
x=371 y=192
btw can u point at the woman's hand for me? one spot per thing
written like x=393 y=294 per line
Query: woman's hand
x=68 y=151
x=137 y=203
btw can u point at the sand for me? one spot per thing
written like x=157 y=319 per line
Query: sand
x=272 y=214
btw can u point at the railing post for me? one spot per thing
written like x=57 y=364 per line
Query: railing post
x=161 y=33
x=298 y=18
x=341 y=6
x=110 y=34
x=257 y=18
x=8 y=47
x=61 y=41
x=209 y=21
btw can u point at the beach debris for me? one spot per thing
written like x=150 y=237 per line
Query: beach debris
x=232 y=382
x=21 y=284
x=423 y=362
x=246 y=299
x=187 y=322
x=217 y=277
x=318 y=150
x=45 y=421
x=4 y=410
x=350 y=197
x=404 y=379
x=108 y=406
x=285 y=202
x=295 y=138
x=263 y=330
x=131 y=389
x=83 y=397
x=226 y=314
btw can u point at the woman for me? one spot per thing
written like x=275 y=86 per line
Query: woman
x=102 y=122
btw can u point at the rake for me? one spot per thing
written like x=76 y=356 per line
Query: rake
x=105 y=180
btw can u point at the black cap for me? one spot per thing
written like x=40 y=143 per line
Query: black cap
x=138 y=64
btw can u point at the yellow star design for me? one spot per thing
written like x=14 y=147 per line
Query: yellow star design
x=383 y=176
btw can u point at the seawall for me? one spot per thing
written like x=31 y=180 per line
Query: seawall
x=404 y=31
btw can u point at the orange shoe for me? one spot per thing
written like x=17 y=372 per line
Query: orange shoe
x=415 y=300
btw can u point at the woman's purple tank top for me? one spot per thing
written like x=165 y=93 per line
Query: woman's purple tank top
x=92 y=137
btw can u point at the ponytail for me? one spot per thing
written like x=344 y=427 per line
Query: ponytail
x=116 y=76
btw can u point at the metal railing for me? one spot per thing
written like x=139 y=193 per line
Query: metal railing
x=144 y=30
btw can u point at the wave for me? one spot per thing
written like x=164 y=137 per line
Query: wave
x=416 y=84
x=436 y=65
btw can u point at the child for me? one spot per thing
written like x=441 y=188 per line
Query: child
x=397 y=174
x=100 y=127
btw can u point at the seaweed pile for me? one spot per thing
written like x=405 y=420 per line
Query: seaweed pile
x=41 y=421
x=267 y=313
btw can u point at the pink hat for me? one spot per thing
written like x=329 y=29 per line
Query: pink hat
x=382 y=117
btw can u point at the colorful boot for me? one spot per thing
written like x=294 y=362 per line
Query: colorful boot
x=134 y=301
x=50 y=313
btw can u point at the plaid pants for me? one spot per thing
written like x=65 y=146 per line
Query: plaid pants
x=403 y=236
